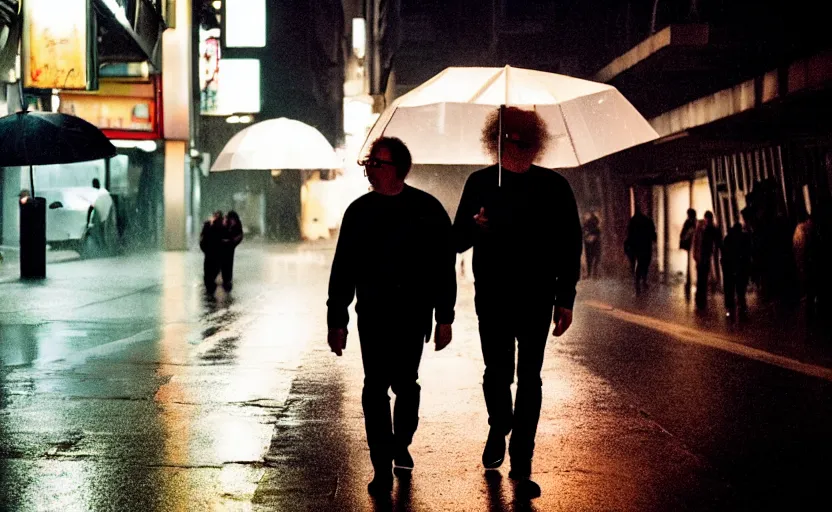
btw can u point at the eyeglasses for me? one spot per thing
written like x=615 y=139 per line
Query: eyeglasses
x=374 y=162
x=521 y=144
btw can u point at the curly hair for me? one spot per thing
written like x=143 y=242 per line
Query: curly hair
x=526 y=125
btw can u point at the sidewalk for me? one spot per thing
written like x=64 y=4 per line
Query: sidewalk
x=778 y=329
x=595 y=451
x=10 y=264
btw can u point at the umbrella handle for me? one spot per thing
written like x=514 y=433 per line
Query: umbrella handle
x=500 y=147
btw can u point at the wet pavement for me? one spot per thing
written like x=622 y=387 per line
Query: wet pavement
x=122 y=387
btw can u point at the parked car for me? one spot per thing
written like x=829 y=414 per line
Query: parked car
x=81 y=219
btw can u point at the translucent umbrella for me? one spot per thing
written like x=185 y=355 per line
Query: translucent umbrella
x=441 y=121
x=277 y=144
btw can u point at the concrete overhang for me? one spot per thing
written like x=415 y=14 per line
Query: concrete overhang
x=813 y=74
x=682 y=63
x=666 y=42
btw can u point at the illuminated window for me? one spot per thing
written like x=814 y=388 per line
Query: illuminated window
x=238 y=87
x=245 y=23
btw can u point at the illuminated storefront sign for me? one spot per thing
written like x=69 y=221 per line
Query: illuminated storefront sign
x=56 y=45
x=209 y=72
x=245 y=23
x=122 y=110
x=237 y=88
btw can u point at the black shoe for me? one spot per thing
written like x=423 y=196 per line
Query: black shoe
x=403 y=460
x=526 y=489
x=494 y=452
x=381 y=485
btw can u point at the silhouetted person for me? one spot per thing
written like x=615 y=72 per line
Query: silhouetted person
x=641 y=233
x=736 y=268
x=232 y=236
x=210 y=240
x=96 y=183
x=395 y=254
x=592 y=243
x=707 y=241
x=526 y=235
x=686 y=244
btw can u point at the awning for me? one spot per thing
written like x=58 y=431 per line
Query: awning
x=134 y=37
x=682 y=63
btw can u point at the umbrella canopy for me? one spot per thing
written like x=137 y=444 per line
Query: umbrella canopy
x=44 y=138
x=277 y=144
x=441 y=121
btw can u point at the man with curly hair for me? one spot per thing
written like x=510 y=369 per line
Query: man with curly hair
x=522 y=221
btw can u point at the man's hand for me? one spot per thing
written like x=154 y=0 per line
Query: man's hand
x=442 y=336
x=481 y=219
x=562 y=319
x=337 y=339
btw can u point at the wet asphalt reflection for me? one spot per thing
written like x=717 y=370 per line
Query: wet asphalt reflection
x=124 y=387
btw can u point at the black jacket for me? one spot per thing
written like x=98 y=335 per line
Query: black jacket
x=395 y=254
x=532 y=248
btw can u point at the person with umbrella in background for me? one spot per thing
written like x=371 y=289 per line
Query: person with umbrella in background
x=523 y=223
x=44 y=138
x=395 y=254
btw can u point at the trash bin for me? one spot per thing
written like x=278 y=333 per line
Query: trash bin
x=33 y=237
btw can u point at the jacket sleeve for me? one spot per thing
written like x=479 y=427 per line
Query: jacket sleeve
x=445 y=271
x=464 y=227
x=571 y=243
x=238 y=236
x=342 y=276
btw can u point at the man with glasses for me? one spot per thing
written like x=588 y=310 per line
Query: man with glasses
x=522 y=221
x=395 y=254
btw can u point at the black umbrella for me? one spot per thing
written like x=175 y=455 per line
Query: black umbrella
x=44 y=138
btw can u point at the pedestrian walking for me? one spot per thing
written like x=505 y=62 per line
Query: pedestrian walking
x=232 y=236
x=685 y=244
x=592 y=243
x=210 y=239
x=641 y=233
x=736 y=269
x=707 y=242
x=395 y=254
x=526 y=234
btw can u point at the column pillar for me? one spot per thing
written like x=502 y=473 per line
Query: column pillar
x=175 y=217
x=178 y=105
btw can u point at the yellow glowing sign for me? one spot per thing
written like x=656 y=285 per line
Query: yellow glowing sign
x=55 y=44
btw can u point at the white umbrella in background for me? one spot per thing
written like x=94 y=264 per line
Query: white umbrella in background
x=441 y=121
x=277 y=144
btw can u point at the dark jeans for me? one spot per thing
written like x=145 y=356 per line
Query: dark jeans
x=210 y=270
x=735 y=285
x=641 y=266
x=703 y=272
x=592 y=251
x=227 y=268
x=391 y=353
x=500 y=324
